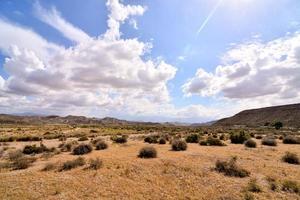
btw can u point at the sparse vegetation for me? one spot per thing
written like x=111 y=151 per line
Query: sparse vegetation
x=230 y=168
x=33 y=149
x=278 y=125
x=179 y=145
x=151 y=139
x=49 y=167
x=162 y=141
x=83 y=138
x=82 y=149
x=291 y=158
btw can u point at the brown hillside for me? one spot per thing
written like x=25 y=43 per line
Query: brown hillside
x=289 y=115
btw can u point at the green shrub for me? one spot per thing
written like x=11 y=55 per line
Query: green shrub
x=211 y=141
x=83 y=138
x=230 y=168
x=179 y=145
x=82 y=149
x=239 y=138
x=100 y=145
x=148 y=152
x=290 y=186
x=253 y=186
x=291 y=158
x=71 y=164
x=269 y=141
x=192 y=138
x=291 y=140
x=278 y=125
x=95 y=164
x=119 y=138
x=250 y=143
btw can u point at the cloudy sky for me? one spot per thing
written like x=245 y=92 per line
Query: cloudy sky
x=148 y=60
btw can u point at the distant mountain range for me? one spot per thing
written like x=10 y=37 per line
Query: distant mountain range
x=289 y=115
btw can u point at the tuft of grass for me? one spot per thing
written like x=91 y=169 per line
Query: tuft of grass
x=290 y=186
x=268 y=141
x=230 y=168
x=148 y=152
x=83 y=138
x=82 y=149
x=291 y=158
x=68 y=146
x=23 y=162
x=248 y=196
x=250 y=143
x=95 y=164
x=71 y=164
x=272 y=183
x=49 y=167
x=253 y=186
x=179 y=145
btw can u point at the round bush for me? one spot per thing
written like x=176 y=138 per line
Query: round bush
x=82 y=149
x=250 y=143
x=100 y=145
x=239 y=138
x=148 y=152
x=291 y=140
x=162 y=141
x=269 y=141
x=291 y=158
x=119 y=138
x=179 y=145
x=192 y=138
x=151 y=139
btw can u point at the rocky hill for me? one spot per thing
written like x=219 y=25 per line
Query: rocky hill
x=289 y=115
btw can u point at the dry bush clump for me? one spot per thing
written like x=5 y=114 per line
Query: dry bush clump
x=148 y=152
x=269 y=141
x=290 y=186
x=192 y=138
x=71 y=164
x=291 y=140
x=82 y=149
x=230 y=168
x=33 y=149
x=258 y=137
x=272 y=183
x=96 y=140
x=250 y=143
x=119 y=138
x=28 y=138
x=211 y=141
x=179 y=145
x=239 y=138
x=19 y=161
x=291 y=158
x=95 y=164
x=100 y=145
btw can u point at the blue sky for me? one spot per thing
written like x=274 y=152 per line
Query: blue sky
x=155 y=64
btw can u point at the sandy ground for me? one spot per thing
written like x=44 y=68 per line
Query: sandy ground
x=173 y=175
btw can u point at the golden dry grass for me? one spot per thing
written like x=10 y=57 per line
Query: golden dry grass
x=173 y=175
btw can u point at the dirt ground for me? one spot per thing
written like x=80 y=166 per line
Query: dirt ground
x=172 y=175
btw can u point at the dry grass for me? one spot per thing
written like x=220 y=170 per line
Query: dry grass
x=173 y=175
